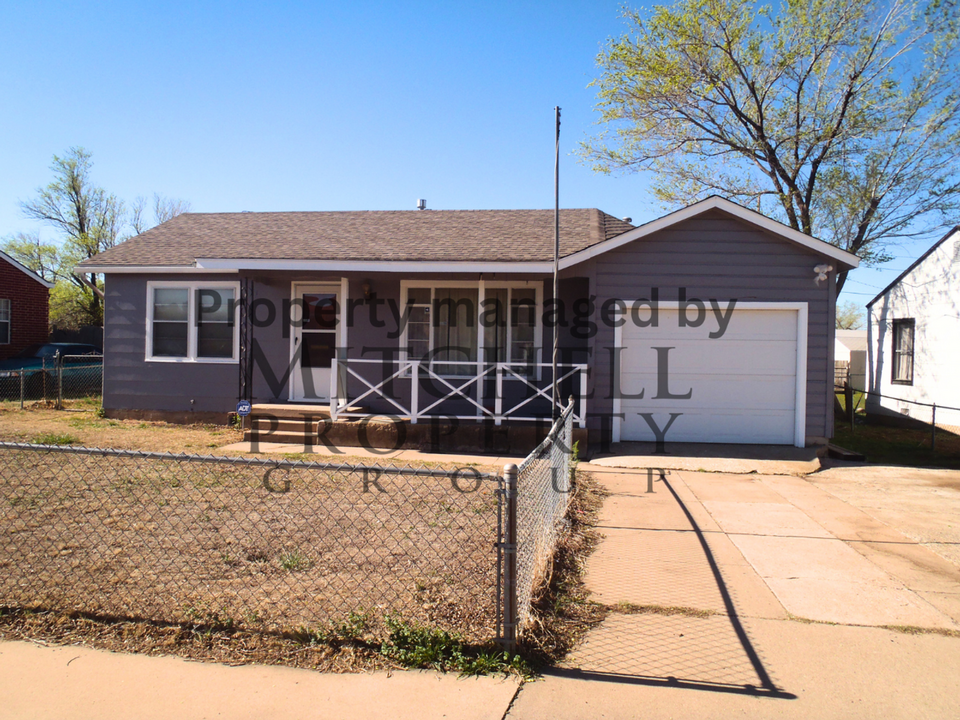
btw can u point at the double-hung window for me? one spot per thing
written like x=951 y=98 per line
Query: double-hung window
x=903 y=346
x=449 y=325
x=192 y=322
x=4 y=321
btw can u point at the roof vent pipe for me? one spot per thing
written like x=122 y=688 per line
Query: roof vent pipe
x=421 y=204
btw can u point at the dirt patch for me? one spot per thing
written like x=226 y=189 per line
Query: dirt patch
x=951 y=484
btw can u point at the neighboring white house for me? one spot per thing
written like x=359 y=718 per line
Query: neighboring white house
x=850 y=352
x=914 y=337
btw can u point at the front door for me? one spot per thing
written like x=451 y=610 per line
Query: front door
x=315 y=313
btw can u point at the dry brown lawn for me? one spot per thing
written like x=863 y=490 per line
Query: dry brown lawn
x=244 y=545
x=80 y=422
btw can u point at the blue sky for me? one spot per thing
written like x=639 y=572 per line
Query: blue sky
x=316 y=106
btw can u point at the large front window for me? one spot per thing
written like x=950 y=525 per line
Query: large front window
x=192 y=322
x=448 y=325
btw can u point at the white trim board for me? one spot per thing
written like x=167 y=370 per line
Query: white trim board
x=148 y=270
x=373 y=266
x=800 y=398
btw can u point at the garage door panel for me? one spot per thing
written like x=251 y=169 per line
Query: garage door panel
x=713 y=357
x=744 y=384
x=743 y=325
x=714 y=392
x=717 y=426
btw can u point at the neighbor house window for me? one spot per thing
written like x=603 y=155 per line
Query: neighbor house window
x=192 y=322
x=903 y=344
x=4 y=322
x=446 y=325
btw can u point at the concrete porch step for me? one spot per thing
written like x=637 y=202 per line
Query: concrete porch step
x=295 y=411
x=379 y=432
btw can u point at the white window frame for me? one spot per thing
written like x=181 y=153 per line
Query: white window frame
x=896 y=328
x=481 y=285
x=191 y=286
x=8 y=320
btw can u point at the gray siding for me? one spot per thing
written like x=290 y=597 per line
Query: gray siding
x=717 y=256
x=132 y=383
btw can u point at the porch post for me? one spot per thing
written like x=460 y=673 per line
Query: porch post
x=414 y=391
x=334 y=386
x=583 y=396
x=245 y=391
x=498 y=401
x=481 y=294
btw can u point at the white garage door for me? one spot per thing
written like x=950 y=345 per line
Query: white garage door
x=743 y=386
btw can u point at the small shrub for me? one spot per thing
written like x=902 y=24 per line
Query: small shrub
x=418 y=646
x=294 y=560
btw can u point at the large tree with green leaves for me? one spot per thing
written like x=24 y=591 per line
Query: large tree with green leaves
x=87 y=220
x=839 y=117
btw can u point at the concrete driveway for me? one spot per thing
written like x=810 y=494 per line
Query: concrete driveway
x=769 y=596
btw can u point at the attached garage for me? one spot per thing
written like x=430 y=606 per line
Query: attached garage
x=696 y=376
x=762 y=375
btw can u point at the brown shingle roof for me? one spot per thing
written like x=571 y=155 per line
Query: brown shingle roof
x=429 y=235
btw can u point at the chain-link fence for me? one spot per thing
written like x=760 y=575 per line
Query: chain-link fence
x=254 y=543
x=534 y=522
x=54 y=379
x=79 y=376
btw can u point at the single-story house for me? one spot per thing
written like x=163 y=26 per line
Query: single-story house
x=850 y=357
x=713 y=323
x=914 y=338
x=24 y=307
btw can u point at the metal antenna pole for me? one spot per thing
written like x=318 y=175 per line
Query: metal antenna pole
x=556 y=265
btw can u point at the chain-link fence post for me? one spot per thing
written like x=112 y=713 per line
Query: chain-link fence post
x=58 y=359
x=22 y=388
x=933 y=430
x=509 y=549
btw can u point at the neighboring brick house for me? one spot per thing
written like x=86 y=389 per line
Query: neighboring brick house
x=24 y=307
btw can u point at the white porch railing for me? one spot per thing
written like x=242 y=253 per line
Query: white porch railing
x=469 y=388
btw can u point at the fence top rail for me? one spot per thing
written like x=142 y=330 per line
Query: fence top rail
x=551 y=436
x=912 y=402
x=254 y=462
x=469 y=363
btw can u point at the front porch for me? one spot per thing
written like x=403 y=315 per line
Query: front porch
x=321 y=356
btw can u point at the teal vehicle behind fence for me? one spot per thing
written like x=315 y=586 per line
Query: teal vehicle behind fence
x=52 y=372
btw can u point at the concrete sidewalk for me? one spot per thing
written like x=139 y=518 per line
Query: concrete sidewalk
x=705 y=580
x=712 y=457
x=78 y=683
